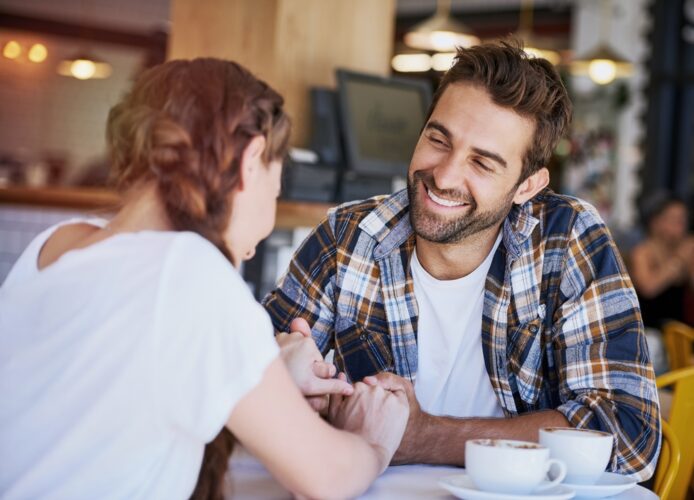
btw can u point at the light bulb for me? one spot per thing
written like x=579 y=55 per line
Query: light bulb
x=411 y=62
x=12 y=50
x=82 y=69
x=602 y=71
x=38 y=53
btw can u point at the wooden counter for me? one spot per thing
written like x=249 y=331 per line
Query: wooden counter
x=290 y=214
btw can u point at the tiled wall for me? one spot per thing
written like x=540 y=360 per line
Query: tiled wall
x=19 y=225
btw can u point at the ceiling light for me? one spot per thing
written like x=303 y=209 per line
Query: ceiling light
x=84 y=67
x=406 y=63
x=38 y=53
x=602 y=64
x=12 y=50
x=532 y=45
x=440 y=32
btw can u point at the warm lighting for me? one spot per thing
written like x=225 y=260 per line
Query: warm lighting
x=602 y=65
x=552 y=56
x=38 y=53
x=442 y=61
x=12 y=50
x=602 y=71
x=407 y=63
x=84 y=68
x=440 y=32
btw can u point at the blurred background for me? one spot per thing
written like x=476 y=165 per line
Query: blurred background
x=357 y=76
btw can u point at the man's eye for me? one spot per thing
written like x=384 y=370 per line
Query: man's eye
x=482 y=166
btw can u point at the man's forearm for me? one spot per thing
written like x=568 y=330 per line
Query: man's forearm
x=441 y=440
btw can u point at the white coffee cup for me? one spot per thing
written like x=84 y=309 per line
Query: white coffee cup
x=585 y=452
x=507 y=466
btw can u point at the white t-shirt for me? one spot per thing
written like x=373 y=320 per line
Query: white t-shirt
x=118 y=362
x=451 y=378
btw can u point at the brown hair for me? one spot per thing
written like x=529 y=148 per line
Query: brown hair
x=185 y=124
x=529 y=86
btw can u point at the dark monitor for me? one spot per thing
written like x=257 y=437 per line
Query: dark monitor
x=381 y=121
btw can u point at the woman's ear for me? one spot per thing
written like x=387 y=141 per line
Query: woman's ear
x=251 y=160
x=531 y=186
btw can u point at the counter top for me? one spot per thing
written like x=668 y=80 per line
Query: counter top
x=290 y=214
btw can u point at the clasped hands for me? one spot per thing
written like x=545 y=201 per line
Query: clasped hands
x=378 y=405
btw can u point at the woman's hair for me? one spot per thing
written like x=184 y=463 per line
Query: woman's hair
x=654 y=203
x=529 y=86
x=185 y=124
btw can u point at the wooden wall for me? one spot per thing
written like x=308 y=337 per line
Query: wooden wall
x=292 y=44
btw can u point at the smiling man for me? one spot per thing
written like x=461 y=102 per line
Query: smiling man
x=500 y=306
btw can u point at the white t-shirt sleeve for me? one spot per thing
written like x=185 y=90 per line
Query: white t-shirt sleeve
x=213 y=341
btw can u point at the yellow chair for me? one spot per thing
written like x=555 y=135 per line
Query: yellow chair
x=668 y=463
x=678 y=339
x=681 y=422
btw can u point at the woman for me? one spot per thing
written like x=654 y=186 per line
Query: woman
x=127 y=345
x=662 y=265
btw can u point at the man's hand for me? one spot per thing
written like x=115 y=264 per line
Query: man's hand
x=417 y=423
x=309 y=372
x=374 y=413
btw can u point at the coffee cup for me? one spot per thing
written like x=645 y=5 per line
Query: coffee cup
x=585 y=452
x=508 y=466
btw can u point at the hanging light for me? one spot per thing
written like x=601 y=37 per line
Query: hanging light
x=532 y=45
x=602 y=64
x=12 y=49
x=84 y=67
x=38 y=53
x=440 y=32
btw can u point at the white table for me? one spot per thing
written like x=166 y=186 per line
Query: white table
x=249 y=480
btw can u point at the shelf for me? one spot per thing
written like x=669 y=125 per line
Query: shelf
x=290 y=214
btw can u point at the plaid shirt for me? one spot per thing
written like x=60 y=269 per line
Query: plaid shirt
x=561 y=326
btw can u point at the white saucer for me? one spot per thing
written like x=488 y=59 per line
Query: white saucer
x=609 y=484
x=462 y=486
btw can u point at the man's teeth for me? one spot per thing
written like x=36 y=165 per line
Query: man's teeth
x=445 y=203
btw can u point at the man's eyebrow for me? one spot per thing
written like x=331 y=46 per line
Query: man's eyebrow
x=440 y=127
x=492 y=156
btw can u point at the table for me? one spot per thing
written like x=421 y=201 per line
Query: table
x=249 y=480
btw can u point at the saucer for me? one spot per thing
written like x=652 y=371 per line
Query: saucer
x=609 y=484
x=462 y=487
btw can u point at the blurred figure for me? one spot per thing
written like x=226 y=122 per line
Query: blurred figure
x=662 y=265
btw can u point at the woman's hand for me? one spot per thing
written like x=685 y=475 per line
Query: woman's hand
x=308 y=370
x=376 y=414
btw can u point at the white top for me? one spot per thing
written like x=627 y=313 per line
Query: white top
x=119 y=362
x=452 y=379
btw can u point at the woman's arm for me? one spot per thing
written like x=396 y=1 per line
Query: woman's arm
x=651 y=280
x=304 y=453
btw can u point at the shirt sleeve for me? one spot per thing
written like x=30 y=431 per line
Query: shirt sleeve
x=307 y=288
x=213 y=341
x=606 y=378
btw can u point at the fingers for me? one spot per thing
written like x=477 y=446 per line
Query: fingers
x=388 y=381
x=324 y=370
x=318 y=403
x=330 y=386
x=300 y=325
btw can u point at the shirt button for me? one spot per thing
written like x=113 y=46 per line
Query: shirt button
x=362 y=336
x=533 y=328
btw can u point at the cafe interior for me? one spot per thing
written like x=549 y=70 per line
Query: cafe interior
x=357 y=77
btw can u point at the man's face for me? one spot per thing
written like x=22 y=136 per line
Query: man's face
x=465 y=170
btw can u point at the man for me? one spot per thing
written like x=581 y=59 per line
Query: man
x=498 y=305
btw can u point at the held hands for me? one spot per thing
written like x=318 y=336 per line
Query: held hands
x=414 y=437
x=376 y=414
x=309 y=372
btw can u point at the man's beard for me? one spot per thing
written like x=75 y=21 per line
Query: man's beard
x=438 y=229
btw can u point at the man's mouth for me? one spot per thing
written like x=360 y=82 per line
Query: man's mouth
x=443 y=201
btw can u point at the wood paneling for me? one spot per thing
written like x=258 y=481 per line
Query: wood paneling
x=292 y=44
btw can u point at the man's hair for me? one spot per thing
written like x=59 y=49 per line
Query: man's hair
x=529 y=86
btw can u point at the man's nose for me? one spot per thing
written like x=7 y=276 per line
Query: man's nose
x=450 y=174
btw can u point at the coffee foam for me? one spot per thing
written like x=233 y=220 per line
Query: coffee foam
x=575 y=432
x=501 y=443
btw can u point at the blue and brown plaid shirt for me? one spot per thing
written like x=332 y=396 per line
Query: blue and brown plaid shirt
x=561 y=326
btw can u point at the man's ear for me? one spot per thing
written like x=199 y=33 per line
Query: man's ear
x=251 y=159
x=531 y=186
